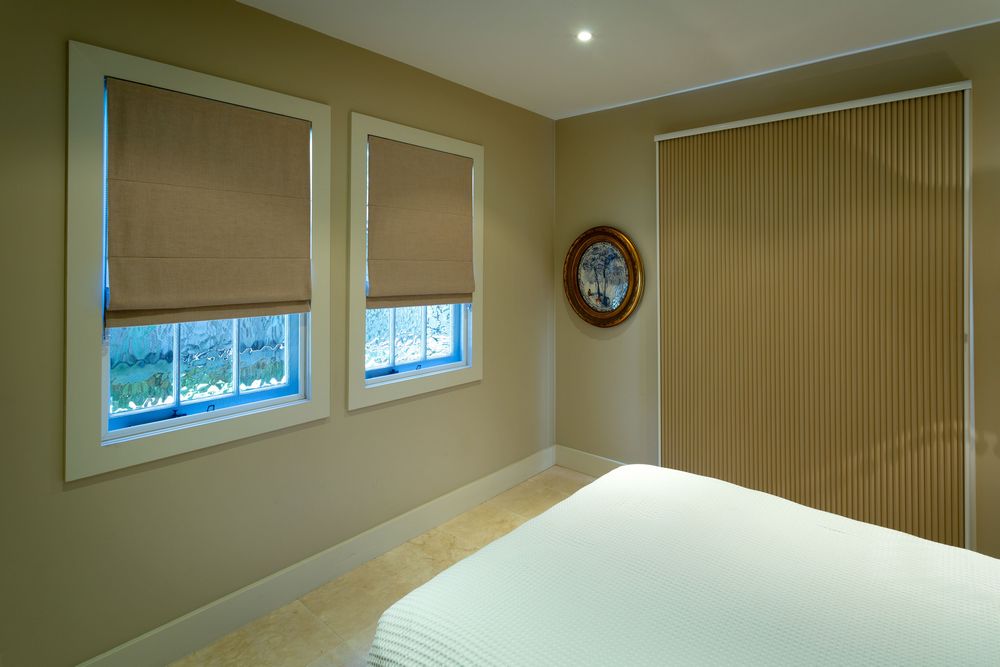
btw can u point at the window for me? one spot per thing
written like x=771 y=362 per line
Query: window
x=416 y=255
x=189 y=371
x=172 y=352
x=408 y=340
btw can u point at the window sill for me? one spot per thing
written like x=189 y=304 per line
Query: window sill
x=93 y=458
x=139 y=432
x=392 y=388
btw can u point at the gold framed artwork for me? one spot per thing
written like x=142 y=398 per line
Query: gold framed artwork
x=602 y=276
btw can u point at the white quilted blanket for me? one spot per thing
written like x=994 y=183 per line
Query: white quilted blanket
x=651 y=566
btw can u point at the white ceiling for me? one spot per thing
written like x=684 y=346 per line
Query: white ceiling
x=525 y=51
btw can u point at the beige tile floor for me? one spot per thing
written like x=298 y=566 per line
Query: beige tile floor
x=334 y=624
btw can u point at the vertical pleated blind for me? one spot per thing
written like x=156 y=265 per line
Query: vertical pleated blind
x=812 y=310
x=208 y=208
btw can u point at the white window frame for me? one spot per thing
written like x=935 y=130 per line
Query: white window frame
x=362 y=393
x=86 y=400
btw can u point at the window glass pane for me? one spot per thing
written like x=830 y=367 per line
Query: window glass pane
x=262 y=351
x=206 y=354
x=440 y=331
x=378 y=346
x=409 y=339
x=141 y=361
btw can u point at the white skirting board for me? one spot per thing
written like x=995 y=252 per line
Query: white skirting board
x=585 y=462
x=201 y=627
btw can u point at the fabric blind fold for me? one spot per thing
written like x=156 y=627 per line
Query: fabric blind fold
x=419 y=225
x=208 y=209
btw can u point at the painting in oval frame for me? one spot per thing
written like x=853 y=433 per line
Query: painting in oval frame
x=602 y=276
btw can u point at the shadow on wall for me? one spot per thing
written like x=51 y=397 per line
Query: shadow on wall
x=986 y=443
x=600 y=333
x=808 y=86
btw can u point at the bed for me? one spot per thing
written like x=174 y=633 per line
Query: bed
x=652 y=566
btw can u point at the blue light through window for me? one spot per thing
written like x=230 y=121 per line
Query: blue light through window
x=164 y=371
x=401 y=340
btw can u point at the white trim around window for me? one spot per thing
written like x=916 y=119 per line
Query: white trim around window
x=362 y=393
x=86 y=401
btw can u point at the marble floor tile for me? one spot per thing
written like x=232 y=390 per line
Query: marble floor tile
x=361 y=641
x=562 y=479
x=357 y=599
x=341 y=656
x=442 y=549
x=481 y=525
x=287 y=637
x=528 y=500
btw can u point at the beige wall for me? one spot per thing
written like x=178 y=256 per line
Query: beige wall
x=88 y=565
x=606 y=398
x=85 y=566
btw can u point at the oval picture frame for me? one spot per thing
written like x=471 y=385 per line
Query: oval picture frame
x=602 y=276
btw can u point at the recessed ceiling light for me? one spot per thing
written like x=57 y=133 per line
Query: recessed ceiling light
x=584 y=36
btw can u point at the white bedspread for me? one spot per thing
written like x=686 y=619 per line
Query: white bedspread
x=651 y=566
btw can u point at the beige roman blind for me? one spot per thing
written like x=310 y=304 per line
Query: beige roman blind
x=812 y=310
x=419 y=225
x=208 y=208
